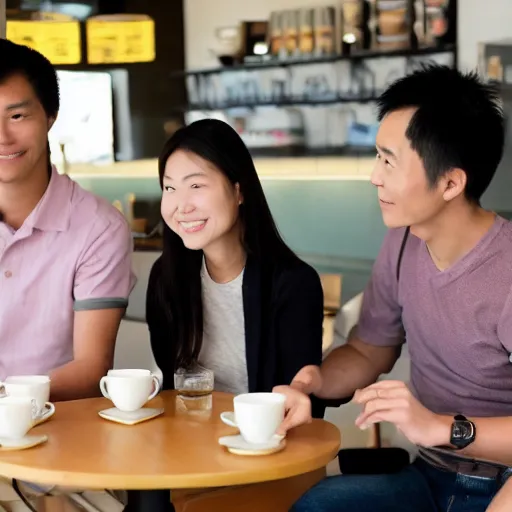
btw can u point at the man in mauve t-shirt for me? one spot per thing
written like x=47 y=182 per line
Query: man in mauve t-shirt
x=442 y=281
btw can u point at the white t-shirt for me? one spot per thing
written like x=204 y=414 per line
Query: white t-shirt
x=223 y=349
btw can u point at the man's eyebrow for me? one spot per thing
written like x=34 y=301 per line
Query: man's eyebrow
x=20 y=104
x=386 y=151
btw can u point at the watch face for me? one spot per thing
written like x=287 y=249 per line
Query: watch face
x=462 y=431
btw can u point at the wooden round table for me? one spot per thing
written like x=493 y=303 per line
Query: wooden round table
x=177 y=450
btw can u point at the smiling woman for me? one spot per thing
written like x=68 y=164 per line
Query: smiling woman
x=227 y=288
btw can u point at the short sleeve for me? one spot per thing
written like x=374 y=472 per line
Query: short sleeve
x=104 y=277
x=380 y=321
x=505 y=326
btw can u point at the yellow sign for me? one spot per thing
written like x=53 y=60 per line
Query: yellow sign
x=58 y=41
x=120 y=42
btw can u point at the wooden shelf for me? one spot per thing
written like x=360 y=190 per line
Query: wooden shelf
x=337 y=95
x=366 y=54
x=285 y=102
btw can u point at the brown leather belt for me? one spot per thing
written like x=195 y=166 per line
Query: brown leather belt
x=444 y=460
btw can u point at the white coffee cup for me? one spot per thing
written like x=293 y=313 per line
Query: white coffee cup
x=31 y=386
x=256 y=415
x=17 y=416
x=129 y=390
x=132 y=371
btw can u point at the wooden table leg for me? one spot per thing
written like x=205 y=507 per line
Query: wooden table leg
x=149 y=501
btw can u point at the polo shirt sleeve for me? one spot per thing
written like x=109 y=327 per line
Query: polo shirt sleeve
x=380 y=321
x=104 y=277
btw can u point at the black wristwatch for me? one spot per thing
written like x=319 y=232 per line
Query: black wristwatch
x=463 y=432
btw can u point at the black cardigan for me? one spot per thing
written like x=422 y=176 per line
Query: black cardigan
x=283 y=312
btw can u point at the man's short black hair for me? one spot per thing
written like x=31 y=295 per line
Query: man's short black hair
x=37 y=69
x=458 y=123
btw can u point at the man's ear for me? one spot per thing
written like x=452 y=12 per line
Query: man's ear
x=454 y=183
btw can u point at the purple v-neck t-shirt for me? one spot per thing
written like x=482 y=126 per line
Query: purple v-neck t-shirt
x=458 y=322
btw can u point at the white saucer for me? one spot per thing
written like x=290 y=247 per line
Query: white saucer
x=47 y=412
x=130 y=418
x=238 y=445
x=21 y=444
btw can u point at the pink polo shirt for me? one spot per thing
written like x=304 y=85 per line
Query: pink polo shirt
x=72 y=253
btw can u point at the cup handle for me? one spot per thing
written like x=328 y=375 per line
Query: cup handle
x=157 y=388
x=49 y=413
x=103 y=387
x=228 y=418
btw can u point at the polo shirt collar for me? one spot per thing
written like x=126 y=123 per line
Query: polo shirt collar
x=53 y=212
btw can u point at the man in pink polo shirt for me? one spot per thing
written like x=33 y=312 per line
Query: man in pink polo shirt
x=65 y=255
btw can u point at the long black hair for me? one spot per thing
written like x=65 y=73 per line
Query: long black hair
x=179 y=283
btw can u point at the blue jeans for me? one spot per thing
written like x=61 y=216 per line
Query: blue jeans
x=420 y=488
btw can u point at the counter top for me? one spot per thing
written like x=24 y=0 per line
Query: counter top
x=285 y=168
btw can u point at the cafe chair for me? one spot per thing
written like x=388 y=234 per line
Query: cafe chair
x=331 y=287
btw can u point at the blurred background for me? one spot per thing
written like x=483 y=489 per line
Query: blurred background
x=298 y=79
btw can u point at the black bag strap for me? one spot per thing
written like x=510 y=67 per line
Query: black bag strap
x=401 y=253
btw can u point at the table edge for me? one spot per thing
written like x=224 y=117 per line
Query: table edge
x=151 y=482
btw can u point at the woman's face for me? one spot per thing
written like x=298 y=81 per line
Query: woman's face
x=198 y=202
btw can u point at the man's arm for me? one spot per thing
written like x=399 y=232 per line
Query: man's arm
x=353 y=366
x=94 y=340
x=490 y=443
x=103 y=282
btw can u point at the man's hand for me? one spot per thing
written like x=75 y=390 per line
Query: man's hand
x=298 y=408
x=298 y=405
x=392 y=401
